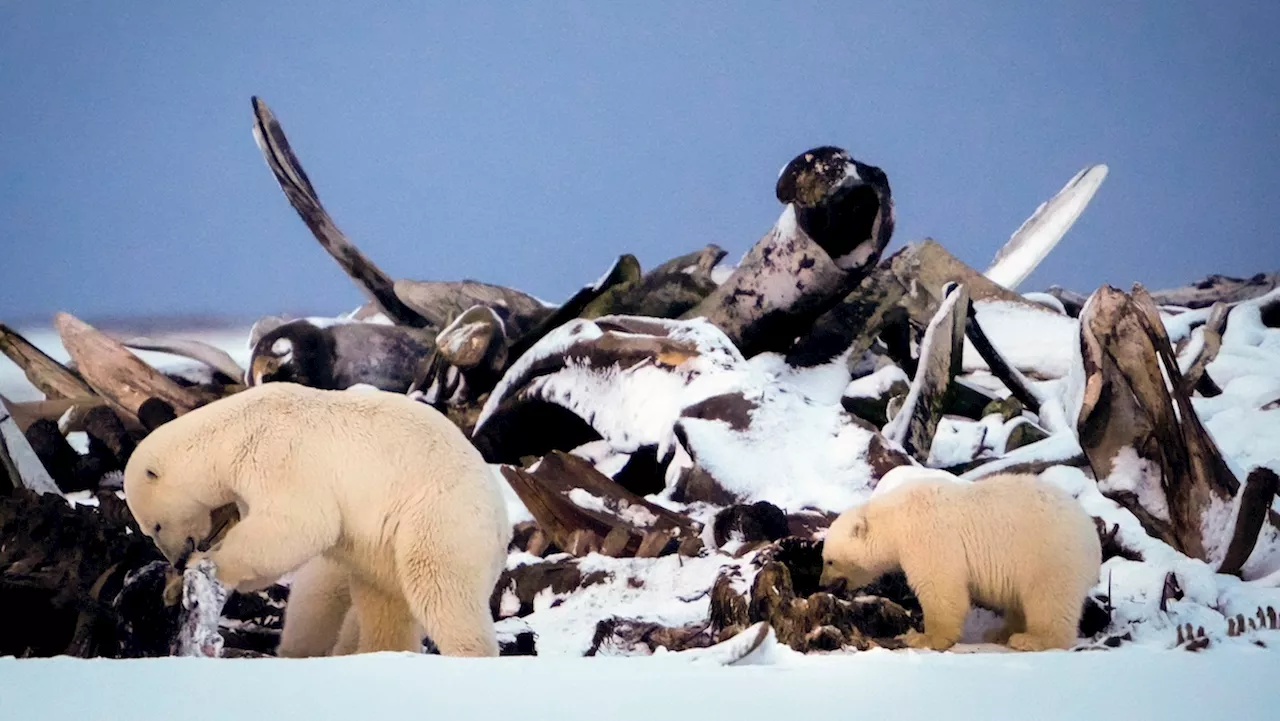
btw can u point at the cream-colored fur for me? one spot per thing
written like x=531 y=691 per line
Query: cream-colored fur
x=388 y=513
x=1011 y=543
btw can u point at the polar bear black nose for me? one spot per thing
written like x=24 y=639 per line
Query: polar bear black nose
x=188 y=548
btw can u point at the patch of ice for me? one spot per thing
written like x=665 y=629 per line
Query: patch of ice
x=879 y=683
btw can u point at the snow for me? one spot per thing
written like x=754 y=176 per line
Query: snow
x=630 y=407
x=796 y=454
x=602 y=456
x=956 y=441
x=1032 y=338
x=583 y=499
x=1133 y=474
x=1135 y=587
x=1047 y=300
x=1136 y=683
x=665 y=590
x=877 y=383
x=825 y=382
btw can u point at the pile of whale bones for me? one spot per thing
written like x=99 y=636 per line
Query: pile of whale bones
x=703 y=410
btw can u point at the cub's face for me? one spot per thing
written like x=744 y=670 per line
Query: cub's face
x=847 y=554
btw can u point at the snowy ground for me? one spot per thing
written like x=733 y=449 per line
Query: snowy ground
x=1134 y=683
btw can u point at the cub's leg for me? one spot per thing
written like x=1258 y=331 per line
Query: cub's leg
x=319 y=599
x=940 y=579
x=1053 y=620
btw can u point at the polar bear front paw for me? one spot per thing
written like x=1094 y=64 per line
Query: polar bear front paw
x=915 y=639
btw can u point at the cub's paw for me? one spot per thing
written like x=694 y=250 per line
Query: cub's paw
x=1028 y=642
x=915 y=639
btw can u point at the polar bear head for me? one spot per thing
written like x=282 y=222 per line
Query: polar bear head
x=851 y=551
x=168 y=490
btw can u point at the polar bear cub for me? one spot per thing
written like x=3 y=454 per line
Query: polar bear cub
x=1010 y=543
x=393 y=519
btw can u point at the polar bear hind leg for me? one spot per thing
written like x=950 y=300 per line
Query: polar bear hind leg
x=1053 y=621
x=319 y=600
x=451 y=602
x=348 y=635
x=383 y=619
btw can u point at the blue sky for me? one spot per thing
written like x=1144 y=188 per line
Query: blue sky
x=530 y=144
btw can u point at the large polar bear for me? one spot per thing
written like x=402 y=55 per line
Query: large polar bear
x=393 y=519
x=1010 y=543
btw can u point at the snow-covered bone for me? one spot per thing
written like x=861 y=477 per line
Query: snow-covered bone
x=1038 y=235
x=940 y=349
x=203 y=598
x=1143 y=437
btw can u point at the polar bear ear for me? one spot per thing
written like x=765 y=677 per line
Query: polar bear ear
x=858 y=526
